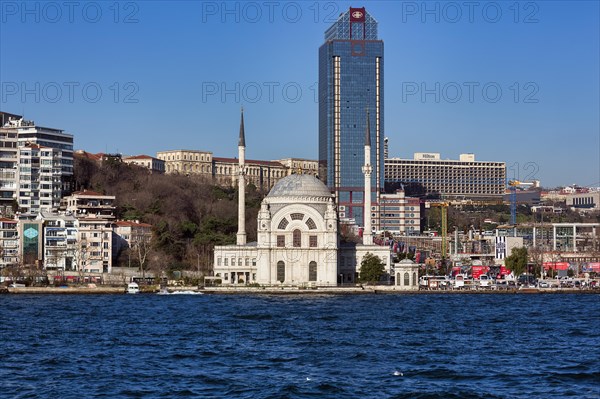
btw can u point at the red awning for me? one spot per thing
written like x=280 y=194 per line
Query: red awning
x=556 y=265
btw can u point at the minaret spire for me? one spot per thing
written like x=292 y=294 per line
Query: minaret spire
x=241 y=233
x=368 y=130
x=242 y=140
x=367 y=170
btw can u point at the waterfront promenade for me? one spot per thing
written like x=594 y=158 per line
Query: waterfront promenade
x=241 y=290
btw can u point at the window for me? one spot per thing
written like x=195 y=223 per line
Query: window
x=232 y=261
x=219 y=261
x=247 y=262
x=225 y=262
x=312 y=241
x=239 y=261
x=281 y=241
x=312 y=271
x=414 y=278
x=283 y=224
x=297 y=216
x=253 y=261
x=406 y=279
x=296 y=238
x=311 y=224
x=281 y=271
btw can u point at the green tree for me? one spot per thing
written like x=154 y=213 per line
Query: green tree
x=517 y=261
x=371 y=268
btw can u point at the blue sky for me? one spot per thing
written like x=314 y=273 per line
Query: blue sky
x=509 y=81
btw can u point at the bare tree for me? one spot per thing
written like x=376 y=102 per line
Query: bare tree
x=141 y=247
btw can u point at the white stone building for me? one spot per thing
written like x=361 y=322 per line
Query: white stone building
x=154 y=165
x=297 y=238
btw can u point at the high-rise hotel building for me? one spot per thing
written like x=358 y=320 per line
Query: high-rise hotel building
x=350 y=85
x=462 y=178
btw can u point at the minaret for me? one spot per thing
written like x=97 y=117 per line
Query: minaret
x=367 y=169
x=241 y=234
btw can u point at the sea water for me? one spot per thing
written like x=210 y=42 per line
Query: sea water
x=308 y=346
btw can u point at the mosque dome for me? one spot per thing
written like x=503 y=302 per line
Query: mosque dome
x=299 y=186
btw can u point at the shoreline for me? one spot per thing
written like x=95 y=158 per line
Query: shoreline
x=290 y=291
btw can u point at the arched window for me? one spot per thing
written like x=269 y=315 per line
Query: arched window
x=281 y=271
x=312 y=271
x=398 y=277
x=406 y=279
x=283 y=224
x=311 y=224
x=296 y=239
x=414 y=278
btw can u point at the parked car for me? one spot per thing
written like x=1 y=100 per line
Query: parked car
x=527 y=280
x=484 y=281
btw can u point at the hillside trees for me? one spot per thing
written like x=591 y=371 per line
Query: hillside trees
x=189 y=214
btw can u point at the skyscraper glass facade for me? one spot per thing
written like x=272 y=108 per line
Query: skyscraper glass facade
x=350 y=83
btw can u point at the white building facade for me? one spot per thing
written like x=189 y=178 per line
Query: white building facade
x=297 y=239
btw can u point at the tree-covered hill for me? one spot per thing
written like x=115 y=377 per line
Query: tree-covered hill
x=190 y=214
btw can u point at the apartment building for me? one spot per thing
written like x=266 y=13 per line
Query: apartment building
x=95 y=215
x=128 y=234
x=90 y=203
x=462 y=178
x=17 y=133
x=94 y=252
x=9 y=242
x=8 y=169
x=39 y=176
x=60 y=241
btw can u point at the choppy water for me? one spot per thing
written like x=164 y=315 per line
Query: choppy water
x=371 y=346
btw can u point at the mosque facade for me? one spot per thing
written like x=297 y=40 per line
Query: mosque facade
x=298 y=241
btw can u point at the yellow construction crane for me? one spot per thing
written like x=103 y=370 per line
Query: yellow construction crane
x=444 y=208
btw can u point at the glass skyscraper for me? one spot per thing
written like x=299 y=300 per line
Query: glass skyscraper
x=350 y=84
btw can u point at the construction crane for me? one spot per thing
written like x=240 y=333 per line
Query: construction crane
x=444 y=208
x=513 y=184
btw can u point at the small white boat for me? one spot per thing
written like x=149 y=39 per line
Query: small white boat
x=186 y=292
x=133 y=288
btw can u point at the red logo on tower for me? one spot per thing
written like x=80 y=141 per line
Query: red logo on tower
x=357 y=14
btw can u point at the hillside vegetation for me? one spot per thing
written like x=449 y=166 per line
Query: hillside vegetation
x=189 y=214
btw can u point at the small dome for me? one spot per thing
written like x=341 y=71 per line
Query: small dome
x=299 y=186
